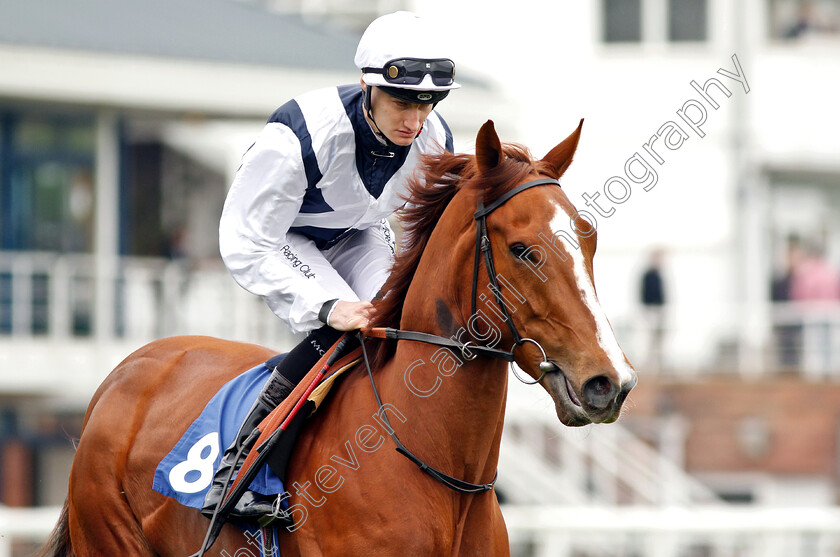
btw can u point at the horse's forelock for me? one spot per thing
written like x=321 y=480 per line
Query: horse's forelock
x=515 y=167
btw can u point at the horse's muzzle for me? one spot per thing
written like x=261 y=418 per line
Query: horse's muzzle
x=599 y=401
x=602 y=398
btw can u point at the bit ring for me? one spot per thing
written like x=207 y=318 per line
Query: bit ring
x=545 y=365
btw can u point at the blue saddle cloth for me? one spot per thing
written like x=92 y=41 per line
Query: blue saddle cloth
x=185 y=474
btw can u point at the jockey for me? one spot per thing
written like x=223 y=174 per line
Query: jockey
x=304 y=223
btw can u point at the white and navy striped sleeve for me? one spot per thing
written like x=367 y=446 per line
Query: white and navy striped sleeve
x=262 y=203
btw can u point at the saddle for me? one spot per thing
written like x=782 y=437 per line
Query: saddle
x=279 y=431
x=291 y=414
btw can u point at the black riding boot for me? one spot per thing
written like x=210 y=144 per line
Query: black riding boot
x=283 y=380
x=251 y=504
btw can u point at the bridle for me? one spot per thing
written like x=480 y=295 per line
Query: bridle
x=468 y=349
x=482 y=245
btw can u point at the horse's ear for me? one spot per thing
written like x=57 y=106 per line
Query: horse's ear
x=560 y=157
x=488 y=148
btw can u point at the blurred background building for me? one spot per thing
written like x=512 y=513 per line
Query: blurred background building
x=122 y=124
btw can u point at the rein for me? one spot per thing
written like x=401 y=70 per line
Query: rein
x=466 y=348
x=469 y=350
x=452 y=483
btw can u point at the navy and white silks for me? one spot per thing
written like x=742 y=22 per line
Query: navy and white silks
x=304 y=220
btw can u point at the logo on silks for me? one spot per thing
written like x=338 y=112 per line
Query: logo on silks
x=185 y=474
x=296 y=262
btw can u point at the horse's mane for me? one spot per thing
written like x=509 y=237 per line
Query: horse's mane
x=437 y=181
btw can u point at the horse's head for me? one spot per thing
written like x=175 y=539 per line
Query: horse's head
x=543 y=251
x=531 y=273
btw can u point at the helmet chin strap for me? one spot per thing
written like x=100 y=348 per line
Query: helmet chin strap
x=389 y=154
x=388 y=143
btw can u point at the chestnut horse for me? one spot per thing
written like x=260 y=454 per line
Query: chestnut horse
x=351 y=493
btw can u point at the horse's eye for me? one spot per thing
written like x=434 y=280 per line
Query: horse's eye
x=518 y=250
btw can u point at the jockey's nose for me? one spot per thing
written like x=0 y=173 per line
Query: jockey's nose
x=599 y=392
x=413 y=118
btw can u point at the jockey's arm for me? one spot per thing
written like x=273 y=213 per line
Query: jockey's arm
x=263 y=201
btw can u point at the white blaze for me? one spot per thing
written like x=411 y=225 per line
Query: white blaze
x=561 y=227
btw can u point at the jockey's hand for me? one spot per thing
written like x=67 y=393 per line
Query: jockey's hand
x=349 y=316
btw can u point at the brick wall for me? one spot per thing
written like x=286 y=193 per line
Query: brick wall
x=781 y=425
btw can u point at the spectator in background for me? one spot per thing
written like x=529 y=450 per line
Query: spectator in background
x=788 y=334
x=805 y=22
x=780 y=288
x=811 y=20
x=652 y=297
x=813 y=279
x=813 y=284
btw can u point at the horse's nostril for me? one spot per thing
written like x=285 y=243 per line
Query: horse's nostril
x=599 y=392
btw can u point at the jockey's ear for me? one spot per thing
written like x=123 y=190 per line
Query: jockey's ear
x=488 y=148
x=560 y=157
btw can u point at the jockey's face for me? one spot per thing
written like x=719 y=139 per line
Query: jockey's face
x=399 y=120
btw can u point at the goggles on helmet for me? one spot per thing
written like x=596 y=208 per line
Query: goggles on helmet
x=411 y=71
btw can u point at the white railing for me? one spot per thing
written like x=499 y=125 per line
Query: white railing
x=30 y=525
x=62 y=336
x=806 y=338
x=708 y=531
x=801 y=337
x=589 y=531
x=57 y=296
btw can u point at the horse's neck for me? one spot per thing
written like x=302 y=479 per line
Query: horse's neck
x=453 y=408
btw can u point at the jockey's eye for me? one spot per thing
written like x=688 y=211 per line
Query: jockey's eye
x=519 y=250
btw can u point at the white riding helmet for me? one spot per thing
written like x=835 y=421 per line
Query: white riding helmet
x=402 y=51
